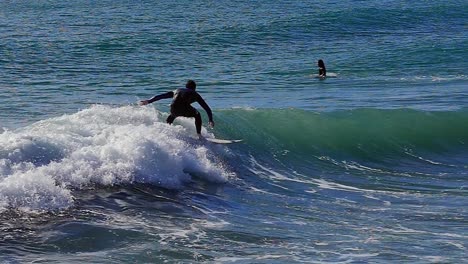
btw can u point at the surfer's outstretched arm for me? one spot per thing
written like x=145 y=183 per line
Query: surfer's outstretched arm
x=157 y=97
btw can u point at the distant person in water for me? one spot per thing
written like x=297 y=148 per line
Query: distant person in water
x=322 y=69
x=182 y=99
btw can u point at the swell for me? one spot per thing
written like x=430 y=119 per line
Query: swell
x=354 y=132
x=398 y=150
x=396 y=145
x=41 y=164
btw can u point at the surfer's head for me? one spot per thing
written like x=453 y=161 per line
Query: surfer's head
x=321 y=64
x=191 y=85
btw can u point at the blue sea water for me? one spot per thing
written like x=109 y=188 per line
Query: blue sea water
x=369 y=165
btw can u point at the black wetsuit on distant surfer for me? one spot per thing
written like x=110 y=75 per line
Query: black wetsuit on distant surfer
x=181 y=104
x=322 y=69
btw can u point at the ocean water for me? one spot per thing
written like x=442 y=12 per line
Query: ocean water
x=369 y=165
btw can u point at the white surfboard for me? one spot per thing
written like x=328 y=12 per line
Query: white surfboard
x=329 y=75
x=223 y=141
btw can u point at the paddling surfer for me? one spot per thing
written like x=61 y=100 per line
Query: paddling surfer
x=182 y=99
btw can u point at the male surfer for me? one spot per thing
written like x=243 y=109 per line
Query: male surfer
x=322 y=69
x=182 y=99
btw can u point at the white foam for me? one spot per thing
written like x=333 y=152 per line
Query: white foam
x=39 y=164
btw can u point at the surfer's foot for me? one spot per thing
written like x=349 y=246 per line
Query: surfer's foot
x=200 y=137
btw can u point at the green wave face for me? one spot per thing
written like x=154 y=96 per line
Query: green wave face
x=363 y=133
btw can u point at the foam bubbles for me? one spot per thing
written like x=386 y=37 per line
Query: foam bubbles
x=101 y=145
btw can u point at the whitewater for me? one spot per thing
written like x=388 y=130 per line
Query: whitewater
x=103 y=146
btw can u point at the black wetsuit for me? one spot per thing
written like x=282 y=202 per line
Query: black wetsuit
x=322 y=71
x=181 y=105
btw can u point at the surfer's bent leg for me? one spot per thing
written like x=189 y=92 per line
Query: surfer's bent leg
x=170 y=119
x=186 y=111
x=198 y=122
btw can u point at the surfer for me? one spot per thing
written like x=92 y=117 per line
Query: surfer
x=322 y=69
x=182 y=99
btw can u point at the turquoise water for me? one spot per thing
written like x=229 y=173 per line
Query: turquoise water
x=366 y=166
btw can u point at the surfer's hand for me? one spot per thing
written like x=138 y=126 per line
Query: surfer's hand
x=144 y=102
x=211 y=124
